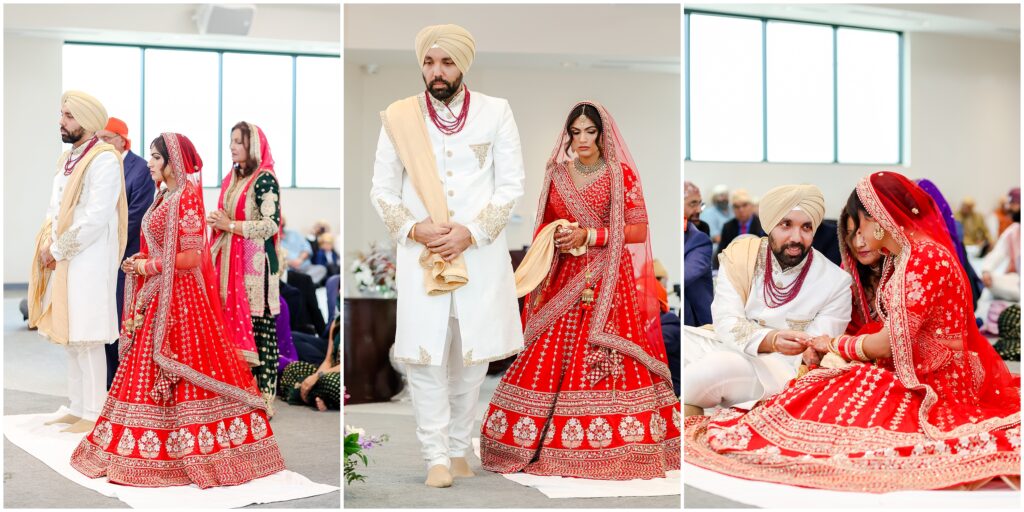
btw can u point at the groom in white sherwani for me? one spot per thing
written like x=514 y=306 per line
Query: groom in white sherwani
x=447 y=175
x=72 y=289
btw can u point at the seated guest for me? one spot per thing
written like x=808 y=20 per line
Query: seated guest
x=1000 y=269
x=300 y=294
x=326 y=256
x=319 y=386
x=716 y=216
x=319 y=227
x=975 y=231
x=745 y=223
x=697 y=282
x=1008 y=346
x=298 y=254
x=285 y=345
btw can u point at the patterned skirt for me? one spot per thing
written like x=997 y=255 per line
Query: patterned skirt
x=547 y=417
x=157 y=429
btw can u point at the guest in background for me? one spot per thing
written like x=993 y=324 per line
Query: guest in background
x=745 y=223
x=319 y=386
x=139 y=190
x=697 y=282
x=716 y=216
x=975 y=231
x=1000 y=270
x=326 y=256
x=245 y=242
x=298 y=254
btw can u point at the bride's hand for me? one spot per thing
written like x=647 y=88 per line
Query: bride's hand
x=570 y=238
x=128 y=265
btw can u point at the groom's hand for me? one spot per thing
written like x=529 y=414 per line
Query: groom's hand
x=450 y=246
x=426 y=232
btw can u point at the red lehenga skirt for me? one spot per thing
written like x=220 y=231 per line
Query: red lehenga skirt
x=858 y=429
x=546 y=418
x=194 y=434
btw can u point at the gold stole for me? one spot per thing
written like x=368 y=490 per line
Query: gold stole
x=537 y=263
x=53 y=321
x=403 y=120
x=739 y=261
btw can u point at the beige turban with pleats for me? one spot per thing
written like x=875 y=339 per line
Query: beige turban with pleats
x=453 y=39
x=781 y=200
x=88 y=111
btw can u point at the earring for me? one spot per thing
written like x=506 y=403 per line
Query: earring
x=879 y=233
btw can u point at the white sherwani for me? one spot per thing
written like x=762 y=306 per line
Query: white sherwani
x=94 y=255
x=481 y=168
x=91 y=246
x=822 y=306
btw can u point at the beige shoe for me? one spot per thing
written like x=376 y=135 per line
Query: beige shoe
x=460 y=468
x=80 y=426
x=67 y=418
x=692 y=410
x=439 y=476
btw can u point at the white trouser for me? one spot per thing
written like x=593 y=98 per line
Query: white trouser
x=1006 y=287
x=87 y=377
x=716 y=375
x=443 y=400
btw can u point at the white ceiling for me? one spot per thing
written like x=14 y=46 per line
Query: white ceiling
x=312 y=28
x=990 y=21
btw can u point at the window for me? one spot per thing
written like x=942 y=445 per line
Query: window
x=766 y=90
x=202 y=93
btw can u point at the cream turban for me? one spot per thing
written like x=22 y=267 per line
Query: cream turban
x=88 y=111
x=453 y=39
x=781 y=200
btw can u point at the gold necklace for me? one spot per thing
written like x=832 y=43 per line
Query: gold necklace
x=585 y=169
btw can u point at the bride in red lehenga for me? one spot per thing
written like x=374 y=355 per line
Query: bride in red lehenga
x=591 y=396
x=183 y=407
x=926 y=403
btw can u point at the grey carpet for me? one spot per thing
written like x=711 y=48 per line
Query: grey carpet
x=394 y=478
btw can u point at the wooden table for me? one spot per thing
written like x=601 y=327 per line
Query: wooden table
x=369 y=334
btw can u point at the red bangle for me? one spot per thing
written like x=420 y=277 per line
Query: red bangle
x=151 y=267
x=847 y=348
x=602 y=237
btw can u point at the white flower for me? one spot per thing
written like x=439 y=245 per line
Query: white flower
x=349 y=429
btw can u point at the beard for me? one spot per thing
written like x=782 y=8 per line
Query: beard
x=71 y=137
x=444 y=94
x=785 y=260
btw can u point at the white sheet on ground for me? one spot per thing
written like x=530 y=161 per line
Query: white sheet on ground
x=54 y=448
x=564 y=487
x=770 y=495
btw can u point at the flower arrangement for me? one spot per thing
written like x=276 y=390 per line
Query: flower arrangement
x=357 y=443
x=374 y=271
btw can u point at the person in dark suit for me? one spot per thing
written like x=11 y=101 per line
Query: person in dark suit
x=139 y=189
x=698 y=290
x=745 y=222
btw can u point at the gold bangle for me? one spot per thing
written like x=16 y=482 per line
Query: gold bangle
x=412 y=232
x=771 y=344
x=833 y=346
x=859 y=348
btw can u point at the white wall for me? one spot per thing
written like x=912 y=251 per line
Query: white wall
x=645 y=105
x=963 y=116
x=32 y=88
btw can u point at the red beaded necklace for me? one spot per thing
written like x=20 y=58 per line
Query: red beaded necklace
x=775 y=296
x=449 y=127
x=69 y=166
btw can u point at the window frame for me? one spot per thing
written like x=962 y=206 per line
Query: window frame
x=901 y=87
x=220 y=91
